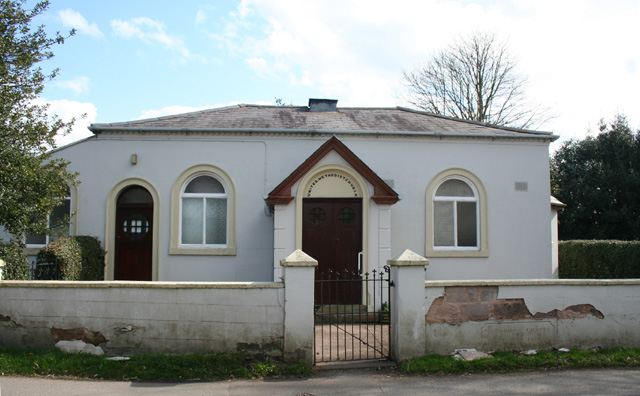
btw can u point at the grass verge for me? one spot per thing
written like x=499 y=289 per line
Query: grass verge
x=220 y=366
x=502 y=362
x=178 y=368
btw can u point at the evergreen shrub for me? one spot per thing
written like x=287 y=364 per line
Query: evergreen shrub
x=594 y=259
x=73 y=258
x=16 y=265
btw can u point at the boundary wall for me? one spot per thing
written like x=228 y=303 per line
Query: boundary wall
x=137 y=317
x=531 y=314
x=276 y=318
x=438 y=317
x=120 y=317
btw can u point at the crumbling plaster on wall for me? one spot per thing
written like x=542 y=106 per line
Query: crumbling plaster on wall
x=81 y=334
x=465 y=304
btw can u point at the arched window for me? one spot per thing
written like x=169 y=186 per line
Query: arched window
x=203 y=213
x=456 y=215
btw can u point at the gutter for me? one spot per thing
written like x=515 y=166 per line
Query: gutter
x=97 y=129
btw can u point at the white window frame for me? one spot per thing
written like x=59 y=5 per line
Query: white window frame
x=455 y=200
x=482 y=232
x=34 y=248
x=176 y=247
x=204 y=197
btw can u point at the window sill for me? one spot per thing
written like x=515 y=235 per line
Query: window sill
x=32 y=250
x=456 y=253
x=203 y=251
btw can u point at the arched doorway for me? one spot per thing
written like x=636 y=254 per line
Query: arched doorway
x=333 y=226
x=134 y=234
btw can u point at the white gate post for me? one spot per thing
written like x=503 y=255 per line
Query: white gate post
x=407 y=326
x=298 y=276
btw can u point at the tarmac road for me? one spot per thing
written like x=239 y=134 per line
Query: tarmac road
x=354 y=382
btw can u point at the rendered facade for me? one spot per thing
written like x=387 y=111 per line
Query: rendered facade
x=225 y=194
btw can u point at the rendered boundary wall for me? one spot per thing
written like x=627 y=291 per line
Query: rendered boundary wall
x=137 y=317
x=531 y=314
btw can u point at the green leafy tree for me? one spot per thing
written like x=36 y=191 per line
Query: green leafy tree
x=31 y=182
x=599 y=180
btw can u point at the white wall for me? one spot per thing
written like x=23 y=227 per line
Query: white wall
x=137 y=317
x=518 y=222
x=530 y=314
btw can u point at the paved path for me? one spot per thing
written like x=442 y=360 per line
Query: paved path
x=351 y=341
x=355 y=382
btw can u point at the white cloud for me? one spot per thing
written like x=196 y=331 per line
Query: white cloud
x=170 y=110
x=78 y=85
x=304 y=80
x=259 y=65
x=150 y=32
x=173 y=110
x=68 y=109
x=201 y=17
x=75 y=20
x=581 y=58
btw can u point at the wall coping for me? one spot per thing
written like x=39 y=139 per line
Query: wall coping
x=408 y=259
x=534 y=282
x=298 y=259
x=141 y=285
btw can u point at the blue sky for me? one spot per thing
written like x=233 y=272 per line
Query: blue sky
x=139 y=59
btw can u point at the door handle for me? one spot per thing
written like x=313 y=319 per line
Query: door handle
x=360 y=262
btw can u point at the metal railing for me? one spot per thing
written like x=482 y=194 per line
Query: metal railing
x=45 y=271
x=351 y=313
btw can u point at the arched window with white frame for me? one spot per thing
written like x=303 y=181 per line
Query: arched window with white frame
x=456 y=215
x=203 y=212
x=203 y=215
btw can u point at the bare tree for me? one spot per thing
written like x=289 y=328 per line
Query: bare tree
x=474 y=79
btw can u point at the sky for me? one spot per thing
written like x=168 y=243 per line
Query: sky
x=138 y=59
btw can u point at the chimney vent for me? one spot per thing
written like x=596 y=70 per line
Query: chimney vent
x=323 y=105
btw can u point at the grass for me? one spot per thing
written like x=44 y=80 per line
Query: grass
x=220 y=366
x=502 y=362
x=178 y=368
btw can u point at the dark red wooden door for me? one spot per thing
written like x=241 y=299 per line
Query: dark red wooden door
x=134 y=235
x=332 y=234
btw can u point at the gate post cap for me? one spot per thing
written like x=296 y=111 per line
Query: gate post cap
x=298 y=259
x=408 y=258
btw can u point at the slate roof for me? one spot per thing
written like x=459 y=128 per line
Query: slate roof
x=290 y=118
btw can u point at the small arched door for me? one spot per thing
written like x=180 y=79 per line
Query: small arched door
x=134 y=235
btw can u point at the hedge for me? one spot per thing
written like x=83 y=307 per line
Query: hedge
x=16 y=265
x=73 y=258
x=599 y=259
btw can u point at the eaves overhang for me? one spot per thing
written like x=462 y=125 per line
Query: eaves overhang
x=506 y=135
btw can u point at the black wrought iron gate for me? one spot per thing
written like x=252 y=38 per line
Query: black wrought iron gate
x=348 y=328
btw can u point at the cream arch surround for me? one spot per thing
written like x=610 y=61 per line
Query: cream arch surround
x=356 y=186
x=110 y=238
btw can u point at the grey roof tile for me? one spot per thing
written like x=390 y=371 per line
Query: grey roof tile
x=300 y=118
